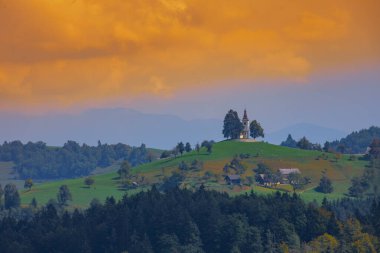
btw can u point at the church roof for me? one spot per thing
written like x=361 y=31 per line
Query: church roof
x=233 y=177
x=245 y=114
x=287 y=171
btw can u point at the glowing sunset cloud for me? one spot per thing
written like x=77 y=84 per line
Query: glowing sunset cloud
x=62 y=52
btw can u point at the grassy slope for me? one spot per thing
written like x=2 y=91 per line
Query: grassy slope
x=274 y=156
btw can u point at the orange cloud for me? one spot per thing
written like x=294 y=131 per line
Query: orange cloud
x=61 y=52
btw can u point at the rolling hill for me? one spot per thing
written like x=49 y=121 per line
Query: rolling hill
x=310 y=163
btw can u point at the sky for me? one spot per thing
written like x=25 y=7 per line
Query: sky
x=285 y=61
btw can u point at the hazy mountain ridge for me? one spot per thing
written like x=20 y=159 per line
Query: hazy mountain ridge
x=133 y=127
x=108 y=126
x=314 y=133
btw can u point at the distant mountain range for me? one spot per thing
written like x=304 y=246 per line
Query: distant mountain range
x=314 y=133
x=133 y=128
x=109 y=126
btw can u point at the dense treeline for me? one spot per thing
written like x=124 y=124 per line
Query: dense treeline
x=201 y=221
x=37 y=160
x=303 y=143
x=356 y=142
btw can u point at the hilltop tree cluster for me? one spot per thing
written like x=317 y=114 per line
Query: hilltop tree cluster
x=302 y=143
x=368 y=183
x=200 y=221
x=232 y=126
x=194 y=165
x=181 y=148
x=357 y=142
x=374 y=154
x=38 y=161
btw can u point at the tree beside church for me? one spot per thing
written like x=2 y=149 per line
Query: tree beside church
x=234 y=128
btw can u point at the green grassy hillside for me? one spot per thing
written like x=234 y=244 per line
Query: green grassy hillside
x=310 y=164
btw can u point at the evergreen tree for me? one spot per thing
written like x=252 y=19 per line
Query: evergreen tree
x=181 y=147
x=269 y=246
x=374 y=153
x=197 y=148
x=11 y=196
x=304 y=143
x=357 y=142
x=325 y=185
x=358 y=187
x=33 y=204
x=63 y=195
x=1 y=196
x=290 y=142
x=232 y=126
x=326 y=146
x=188 y=147
x=140 y=245
x=255 y=130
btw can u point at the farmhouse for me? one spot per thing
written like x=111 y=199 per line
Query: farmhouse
x=285 y=172
x=232 y=179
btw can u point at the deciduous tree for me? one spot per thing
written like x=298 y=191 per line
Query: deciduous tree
x=28 y=184
x=255 y=130
x=89 y=181
x=124 y=170
x=304 y=143
x=232 y=125
x=297 y=181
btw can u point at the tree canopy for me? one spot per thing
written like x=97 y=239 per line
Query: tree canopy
x=255 y=130
x=289 y=142
x=325 y=184
x=38 y=161
x=124 y=170
x=196 y=221
x=232 y=125
x=358 y=141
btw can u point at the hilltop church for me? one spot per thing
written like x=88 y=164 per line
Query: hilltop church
x=245 y=133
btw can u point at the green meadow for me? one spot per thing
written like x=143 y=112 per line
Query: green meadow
x=311 y=163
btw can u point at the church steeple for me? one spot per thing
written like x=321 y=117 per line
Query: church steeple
x=245 y=133
x=245 y=117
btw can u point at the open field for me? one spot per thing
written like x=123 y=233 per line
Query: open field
x=310 y=163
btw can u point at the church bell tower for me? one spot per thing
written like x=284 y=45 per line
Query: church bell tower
x=245 y=133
